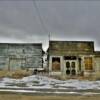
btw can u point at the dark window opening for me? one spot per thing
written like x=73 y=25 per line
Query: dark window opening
x=73 y=64
x=73 y=72
x=68 y=72
x=79 y=63
x=70 y=58
x=55 y=59
x=67 y=65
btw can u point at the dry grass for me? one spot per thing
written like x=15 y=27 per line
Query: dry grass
x=23 y=73
x=97 y=76
x=20 y=74
x=3 y=73
x=31 y=97
x=15 y=74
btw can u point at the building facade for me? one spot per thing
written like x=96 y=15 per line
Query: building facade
x=15 y=56
x=73 y=58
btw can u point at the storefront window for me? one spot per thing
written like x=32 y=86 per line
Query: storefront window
x=56 y=64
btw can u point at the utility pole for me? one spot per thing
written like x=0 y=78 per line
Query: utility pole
x=49 y=36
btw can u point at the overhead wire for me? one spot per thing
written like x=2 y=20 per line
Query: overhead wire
x=40 y=17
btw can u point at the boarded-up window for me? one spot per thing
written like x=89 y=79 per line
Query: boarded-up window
x=88 y=63
x=56 y=64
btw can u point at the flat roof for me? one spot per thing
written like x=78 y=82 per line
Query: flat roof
x=70 y=41
x=35 y=44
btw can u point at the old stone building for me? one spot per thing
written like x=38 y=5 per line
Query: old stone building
x=14 y=56
x=73 y=58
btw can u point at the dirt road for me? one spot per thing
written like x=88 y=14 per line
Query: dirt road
x=9 y=96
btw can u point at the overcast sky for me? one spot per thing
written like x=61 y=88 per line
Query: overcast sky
x=32 y=21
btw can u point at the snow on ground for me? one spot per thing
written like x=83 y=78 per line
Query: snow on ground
x=36 y=81
x=42 y=82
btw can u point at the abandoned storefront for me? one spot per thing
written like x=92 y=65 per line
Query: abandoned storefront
x=15 y=56
x=73 y=58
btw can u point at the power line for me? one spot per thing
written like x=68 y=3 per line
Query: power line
x=49 y=0
x=40 y=17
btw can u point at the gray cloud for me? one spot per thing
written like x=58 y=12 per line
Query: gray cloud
x=68 y=20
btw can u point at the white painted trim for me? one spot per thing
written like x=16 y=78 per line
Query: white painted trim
x=50 y=66
x=76 y=65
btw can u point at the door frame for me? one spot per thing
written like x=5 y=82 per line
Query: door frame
x=76 y=67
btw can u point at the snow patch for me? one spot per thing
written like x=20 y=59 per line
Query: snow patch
x=43 y=82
